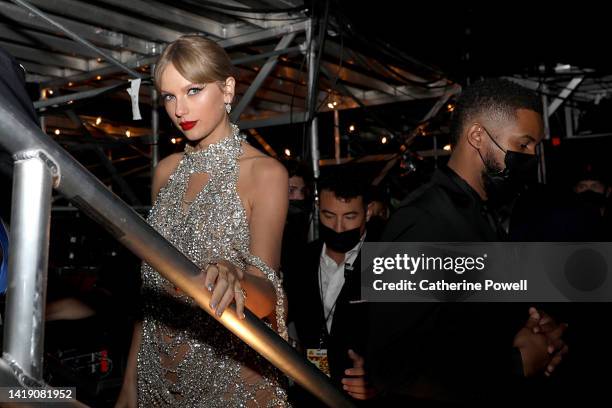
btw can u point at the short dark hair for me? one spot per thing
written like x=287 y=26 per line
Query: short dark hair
x=592 y=172
x=377 y=193
x=343 y=183
x=298 y=168
x=492 y=96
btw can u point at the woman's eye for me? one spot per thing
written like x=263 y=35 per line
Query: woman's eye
x=193 y=91
x=167 y=97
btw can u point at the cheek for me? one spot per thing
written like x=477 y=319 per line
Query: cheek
x=328 y=222
x=170 y=110
x=209 y=107
x=354 y=223
x=496 y=156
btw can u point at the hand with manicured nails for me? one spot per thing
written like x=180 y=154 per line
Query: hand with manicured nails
x=355 y=384
x=223 y=280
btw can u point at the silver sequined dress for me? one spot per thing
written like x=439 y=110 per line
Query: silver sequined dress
x=188 y=359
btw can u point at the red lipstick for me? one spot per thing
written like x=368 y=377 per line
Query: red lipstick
x=186 y=125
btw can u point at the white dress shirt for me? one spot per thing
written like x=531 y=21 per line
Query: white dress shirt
x=331 y=279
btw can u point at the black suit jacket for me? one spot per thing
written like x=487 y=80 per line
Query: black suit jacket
x=348 y=329
x=454 y=352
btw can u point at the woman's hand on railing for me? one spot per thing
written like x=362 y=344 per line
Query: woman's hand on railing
x=223 y=279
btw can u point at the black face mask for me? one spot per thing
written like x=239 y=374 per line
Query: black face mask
x=592 y=198
x=339 y=241
x=502 y=186
x=298 y=207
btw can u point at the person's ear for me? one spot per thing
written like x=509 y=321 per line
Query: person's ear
x=229 y=89
x=474 y=135
x=369 y=210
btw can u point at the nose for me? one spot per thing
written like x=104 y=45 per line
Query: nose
x=180 y=108
x=339 y=225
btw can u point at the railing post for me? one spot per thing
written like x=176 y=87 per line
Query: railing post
x=29 y=252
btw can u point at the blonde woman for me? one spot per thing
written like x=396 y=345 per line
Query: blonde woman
x=223 y=204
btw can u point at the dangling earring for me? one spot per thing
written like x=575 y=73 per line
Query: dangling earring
x=228 y=107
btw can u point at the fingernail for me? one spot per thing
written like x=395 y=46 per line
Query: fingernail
x=213 y=305
x=243 y=316
x=219 y=313
x=210 y=287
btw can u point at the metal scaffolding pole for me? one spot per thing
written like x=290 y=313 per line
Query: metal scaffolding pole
x=227 y=43
x=154 y=125
x=313 y=72
x=17 y=134
x=337 y=136
x=76 y=37
x=29 y=252
x=260 y=77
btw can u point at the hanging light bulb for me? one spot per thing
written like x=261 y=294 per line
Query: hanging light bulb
x=98 y=120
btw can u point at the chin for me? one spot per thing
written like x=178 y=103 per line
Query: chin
x=195 y=134
x=193 y=137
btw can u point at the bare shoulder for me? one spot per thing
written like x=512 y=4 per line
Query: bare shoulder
x=163 y=170
x=261 y=166
x=262 y=170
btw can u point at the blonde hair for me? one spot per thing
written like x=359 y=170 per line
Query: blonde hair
x=197 y=59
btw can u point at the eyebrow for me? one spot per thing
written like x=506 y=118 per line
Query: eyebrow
x=188 y=86
x=529 y=137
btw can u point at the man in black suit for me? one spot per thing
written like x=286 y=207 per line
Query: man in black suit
x=324 y=288
x=458 y=353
